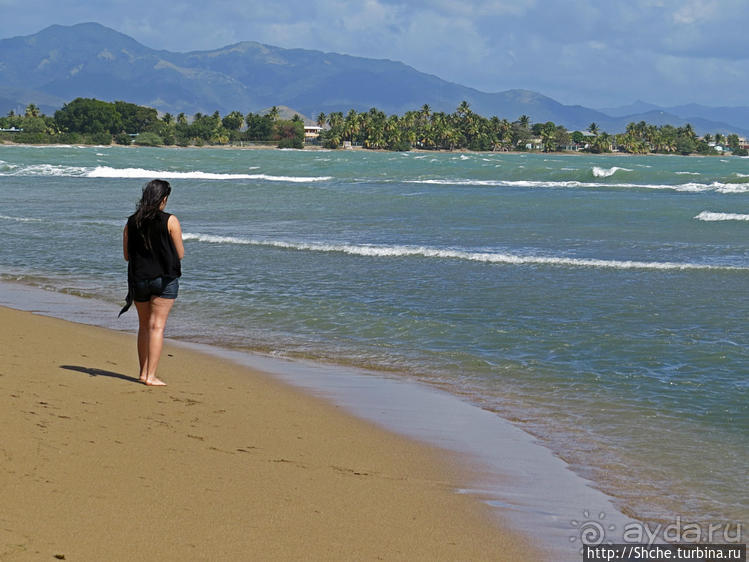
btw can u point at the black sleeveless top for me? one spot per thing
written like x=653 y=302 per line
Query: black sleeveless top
x=151 y=250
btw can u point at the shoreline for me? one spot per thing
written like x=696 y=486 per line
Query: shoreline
x=224 y=462
x=316 y=148
x=528 y=489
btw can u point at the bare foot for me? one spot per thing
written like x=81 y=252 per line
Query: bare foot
x=155 y=382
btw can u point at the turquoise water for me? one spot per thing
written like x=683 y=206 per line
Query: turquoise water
x=597 y=302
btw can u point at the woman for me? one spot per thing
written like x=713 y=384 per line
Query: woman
x=153 y=248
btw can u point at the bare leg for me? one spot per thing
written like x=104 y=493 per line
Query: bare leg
x=144 y=316
x=160 y=309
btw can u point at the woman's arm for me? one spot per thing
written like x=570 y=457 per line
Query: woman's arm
x=175 y=231
x=124 y=244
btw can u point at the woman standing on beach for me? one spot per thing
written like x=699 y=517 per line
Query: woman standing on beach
x=153 y=248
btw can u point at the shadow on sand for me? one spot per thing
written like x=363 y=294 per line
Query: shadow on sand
x=100 y=373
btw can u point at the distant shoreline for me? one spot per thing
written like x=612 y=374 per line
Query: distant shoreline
x=313 y=148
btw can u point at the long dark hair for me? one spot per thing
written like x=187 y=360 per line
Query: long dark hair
x=154 y=193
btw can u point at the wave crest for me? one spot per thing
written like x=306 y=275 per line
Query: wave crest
x=692 y=187
x=397 y=251
x=710 y=216
x=107 y=172
x=607 y=172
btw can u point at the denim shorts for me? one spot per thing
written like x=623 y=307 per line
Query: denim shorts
x=160 y=287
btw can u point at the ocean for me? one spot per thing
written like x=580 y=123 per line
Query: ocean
x=596 y=302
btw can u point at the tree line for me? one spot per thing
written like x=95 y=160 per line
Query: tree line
x=93 y=121
x=464 y=129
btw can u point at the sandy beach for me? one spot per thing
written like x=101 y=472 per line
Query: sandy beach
x=223 y=464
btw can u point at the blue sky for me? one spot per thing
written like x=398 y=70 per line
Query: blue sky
x=589 y=52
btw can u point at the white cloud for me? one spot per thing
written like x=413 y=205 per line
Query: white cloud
x=694 y=11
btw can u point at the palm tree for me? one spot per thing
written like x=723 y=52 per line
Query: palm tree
x=351 y=125
x=273 y=113
x=593 y=128
x=602 y=143
x=688 y=131
x=32 y=110
x=321 y=119
x=525 y=121
x=335 y=119
x=548 y=136
x=464 y=109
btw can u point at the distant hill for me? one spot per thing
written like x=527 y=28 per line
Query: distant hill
x=61 y=63
x=711 y=118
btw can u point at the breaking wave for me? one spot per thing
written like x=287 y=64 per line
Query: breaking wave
x=693 y=187
x=141 y=173
x=107 y=172
x=397 y=251
x=606 y=172
x=710 y=216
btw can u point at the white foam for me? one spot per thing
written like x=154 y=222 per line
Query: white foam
x=687 y=173
x=397 y=251
x=19 y=219
x=692 y=187
x=46 y=170
x=107 y=172
x=710 y=216
x=141 y=173
x=607 y=172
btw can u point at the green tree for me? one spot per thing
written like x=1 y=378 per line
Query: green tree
x=148 y=139
x=136 y=118
x=259 y=127
x=685 y=144
x=602 y=143
x=289 y=133
x=233 y=121
x=733 y=142
x=34 y=124
x=91 y=116
x=548 y=136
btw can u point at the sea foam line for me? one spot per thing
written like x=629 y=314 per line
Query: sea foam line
x=691 y=187
x=710 y=216
x=19 y=219
x=384 y=251
x=107 y=172
x=141 y=173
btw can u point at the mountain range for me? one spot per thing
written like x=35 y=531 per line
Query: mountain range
x=60 y=63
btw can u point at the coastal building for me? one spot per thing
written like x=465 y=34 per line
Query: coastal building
x=312 y=132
